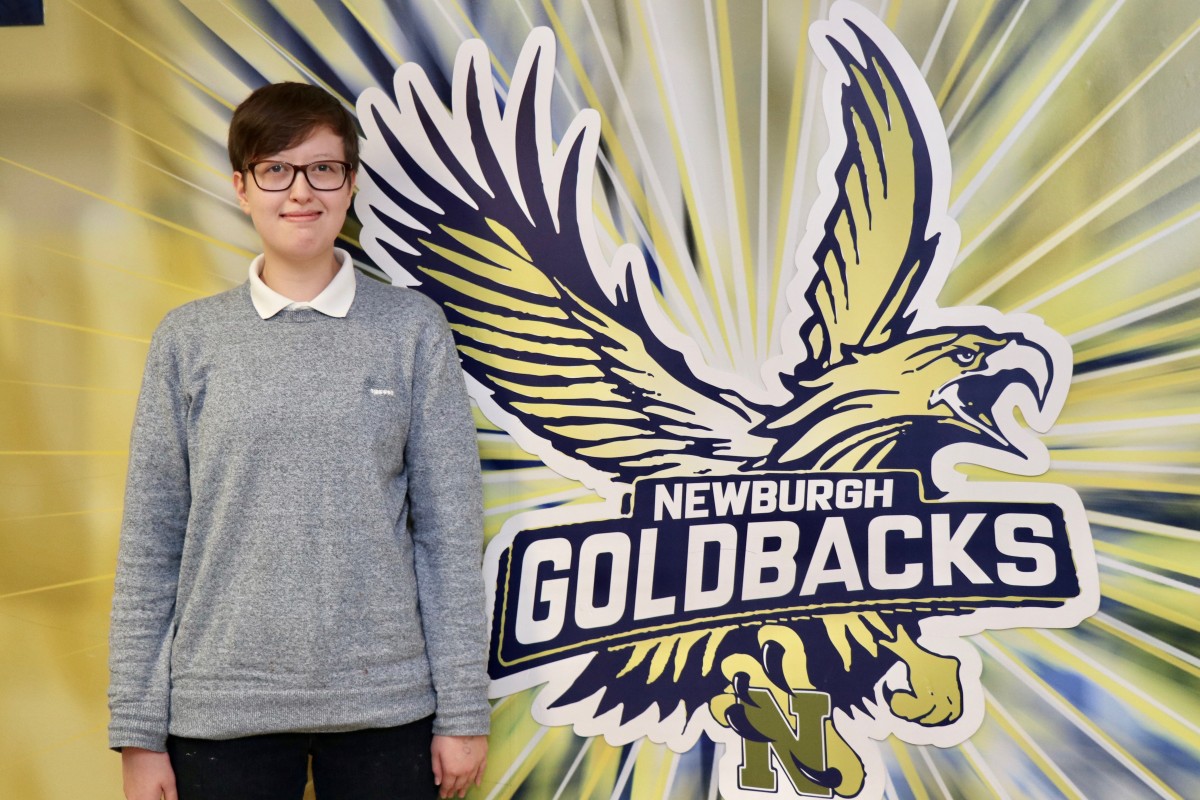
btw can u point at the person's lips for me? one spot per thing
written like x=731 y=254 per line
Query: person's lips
x=301 y=216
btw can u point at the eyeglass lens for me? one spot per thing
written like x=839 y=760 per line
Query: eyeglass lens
x=274 y=176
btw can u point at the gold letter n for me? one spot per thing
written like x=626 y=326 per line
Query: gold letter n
x=791 y=745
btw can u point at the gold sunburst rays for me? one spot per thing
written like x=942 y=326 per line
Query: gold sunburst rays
x=707 y=265
x=1130 y=426
x=1162 y=707
x=519 y=745
x=240 y=30
x=658 y=231
x=1018 y=667
x=801 y=120
x=988 y=774
x=985 y=72
x=1142 y=526
x=1122 y=286
x=60 y=514
x=1108 y=419
x=740 y=268
x=1081 y=220
x=516 y=481
x=372 y=23
x=1159 y=246
x=1056 y=62
x=1034 y=752
x=1149 y=646
x=1032 y=237
x=937 y=774
x=130 y=208
x=95 y=249
x=552 y=762
x=1004 y=761
x=902 y=758
x=188 y=289
x=1151 y=552
x=102 y=578
x=1085 y=134
x=1169 y=599
x=963 y=51
x=728 y=258
x=151 y=53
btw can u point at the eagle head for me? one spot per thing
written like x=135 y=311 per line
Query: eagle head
x=894 y=406
x=987 y=365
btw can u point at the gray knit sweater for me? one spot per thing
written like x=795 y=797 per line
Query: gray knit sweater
x=302 y=534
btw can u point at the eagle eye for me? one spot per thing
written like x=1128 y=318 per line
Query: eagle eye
x=964 y=356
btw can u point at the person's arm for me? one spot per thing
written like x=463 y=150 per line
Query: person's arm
x=446 y=499
x=157 y=500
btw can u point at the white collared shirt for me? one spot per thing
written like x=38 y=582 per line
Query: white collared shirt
x=333 y=301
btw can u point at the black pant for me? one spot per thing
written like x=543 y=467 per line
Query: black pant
x=372 y=764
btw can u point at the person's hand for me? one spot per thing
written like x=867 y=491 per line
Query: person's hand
x=458 y=761
x=147 y=775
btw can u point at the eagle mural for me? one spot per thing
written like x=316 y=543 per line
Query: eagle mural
x=570 y=352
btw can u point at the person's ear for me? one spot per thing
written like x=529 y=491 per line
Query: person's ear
x=239 y=187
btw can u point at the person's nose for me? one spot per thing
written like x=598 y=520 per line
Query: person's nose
x=301 y=188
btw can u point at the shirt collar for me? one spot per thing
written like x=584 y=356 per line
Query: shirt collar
x=333 y=301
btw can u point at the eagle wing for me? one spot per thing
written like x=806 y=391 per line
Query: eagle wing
x=481 y=213
x=874 y=251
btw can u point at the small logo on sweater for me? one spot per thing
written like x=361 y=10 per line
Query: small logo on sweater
x=383 y=392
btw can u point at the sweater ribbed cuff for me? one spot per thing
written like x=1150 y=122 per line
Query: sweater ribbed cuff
x=119 y=738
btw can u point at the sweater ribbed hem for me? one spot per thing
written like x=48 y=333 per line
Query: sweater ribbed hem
x=230 y=714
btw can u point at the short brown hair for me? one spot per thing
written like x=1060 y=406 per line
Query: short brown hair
x=282 y=115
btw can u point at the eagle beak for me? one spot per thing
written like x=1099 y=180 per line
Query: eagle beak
x=1025 y=364
x=973 y=396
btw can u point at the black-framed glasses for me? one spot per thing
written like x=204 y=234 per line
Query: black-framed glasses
x=278 y=176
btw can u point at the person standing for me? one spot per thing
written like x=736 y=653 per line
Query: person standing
x=299 y=568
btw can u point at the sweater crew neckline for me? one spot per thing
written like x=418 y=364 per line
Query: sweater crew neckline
x=300 y=316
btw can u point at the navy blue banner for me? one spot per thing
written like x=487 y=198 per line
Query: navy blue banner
x=703 y=552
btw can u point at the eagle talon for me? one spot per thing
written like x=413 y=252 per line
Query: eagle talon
x=736 y=717
x=934 y=693
x=772 y=660
x=825 y=778
x=741 y=689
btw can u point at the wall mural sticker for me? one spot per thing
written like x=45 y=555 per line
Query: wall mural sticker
x=788 y=570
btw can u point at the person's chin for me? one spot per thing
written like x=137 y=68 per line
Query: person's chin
x=305 y=249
